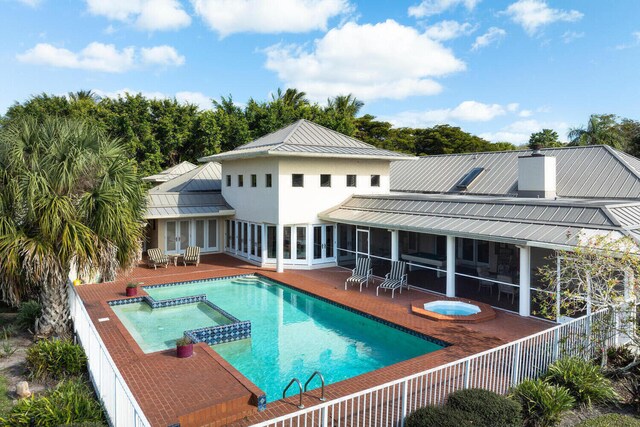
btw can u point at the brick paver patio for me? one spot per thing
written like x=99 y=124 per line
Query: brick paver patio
x=205 y=390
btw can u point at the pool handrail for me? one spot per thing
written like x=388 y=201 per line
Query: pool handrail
x=316 y=373
x=297 y=381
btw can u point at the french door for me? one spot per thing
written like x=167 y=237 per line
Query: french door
x=323 y=243
x=180 y=234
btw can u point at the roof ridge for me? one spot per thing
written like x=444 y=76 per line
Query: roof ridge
x=619 y=158
x=522 y=150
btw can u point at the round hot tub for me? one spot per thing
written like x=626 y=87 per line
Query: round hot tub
x=452 y=308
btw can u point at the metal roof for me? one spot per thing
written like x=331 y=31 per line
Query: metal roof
x=520 y=221
x=174 y=205
x=204 y=178
x=171 y=173
x=305 y=138
x=581 y=172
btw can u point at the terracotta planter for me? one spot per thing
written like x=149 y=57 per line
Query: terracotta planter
x=132 y=292
x=184 y=351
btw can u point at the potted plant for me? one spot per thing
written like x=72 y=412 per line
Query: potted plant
x=184 y=347
x=132 y=289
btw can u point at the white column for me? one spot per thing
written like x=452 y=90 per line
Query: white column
x=310 y=247
x=395 y=247
x=451 y=266
x=263 y=255
x=279 y=248
x=525 y=280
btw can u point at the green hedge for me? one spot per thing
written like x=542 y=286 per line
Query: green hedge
x=440 y=416
x=489 y=408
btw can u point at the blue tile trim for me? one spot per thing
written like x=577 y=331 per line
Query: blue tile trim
x=262 y=402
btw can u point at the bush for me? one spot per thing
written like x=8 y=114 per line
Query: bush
x=440 y=416
x=55 y=359
x=542 y=403
x=27 y=314
x=584 y=380
x=72 y=401
x=489 y=408
x=609 y=420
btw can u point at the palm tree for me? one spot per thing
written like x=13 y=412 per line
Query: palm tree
x=345 y=105
x=69 y=198
x=602 y=129
x=84 y=95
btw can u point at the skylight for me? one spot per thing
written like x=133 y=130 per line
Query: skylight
x=468 y=179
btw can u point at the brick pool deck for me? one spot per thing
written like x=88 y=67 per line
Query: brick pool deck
x=205 y=390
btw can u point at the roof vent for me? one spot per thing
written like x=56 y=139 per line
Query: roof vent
x=469 y=178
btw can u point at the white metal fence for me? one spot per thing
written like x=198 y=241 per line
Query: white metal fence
x=497 y=369
x=119 y=403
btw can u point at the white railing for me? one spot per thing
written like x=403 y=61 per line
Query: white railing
x=497 y=369
x=118 y=401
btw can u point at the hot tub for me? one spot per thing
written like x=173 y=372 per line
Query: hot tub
x=452 y=308
x=456 y=310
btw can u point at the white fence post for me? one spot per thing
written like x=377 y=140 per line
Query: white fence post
x=405 y=397
x=467 y=373
x=516 y=365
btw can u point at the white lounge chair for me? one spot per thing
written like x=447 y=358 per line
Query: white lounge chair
x=361 y=274
x=395 y=279
x=156 y=258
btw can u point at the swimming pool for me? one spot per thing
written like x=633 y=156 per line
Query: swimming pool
x=295 y=334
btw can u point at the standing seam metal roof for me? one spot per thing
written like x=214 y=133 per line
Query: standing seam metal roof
x=205 y=177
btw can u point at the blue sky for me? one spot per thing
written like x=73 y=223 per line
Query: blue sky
x=499 y=69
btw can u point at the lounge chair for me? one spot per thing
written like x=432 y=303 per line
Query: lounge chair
x=156 y=258
x=395 y=279
x=361 y=274
x=191 y=256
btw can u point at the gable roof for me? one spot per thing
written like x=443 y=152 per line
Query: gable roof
x=305 y=138
x=203 y=178
x=582 y=172
x=172 y=172
x=186 y=205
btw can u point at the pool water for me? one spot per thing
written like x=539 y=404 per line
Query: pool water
x=158 y=328
x=452 y=308
x=294 y=334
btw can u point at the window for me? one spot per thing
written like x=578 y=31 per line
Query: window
x=228 y=180
x=268 y=180
x=325 y=180
x=240 y=180
x=254 y=180
x=297 y=180
x=271 y=241
x=375 y=180
x=351 y=180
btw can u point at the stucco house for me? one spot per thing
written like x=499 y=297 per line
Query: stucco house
x=470 y=225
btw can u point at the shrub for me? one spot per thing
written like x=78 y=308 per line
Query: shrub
x=55 y=359
x=27 y=314
x=542 y=403
x=72 y=401
x=133 y=285
x=611 y=420
x=584 y=380
x=632 y=385
x=489 y=408
x=440 y=416
x=5 y=401
x=185 y=340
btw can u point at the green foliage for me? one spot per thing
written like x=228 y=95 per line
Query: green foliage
x=185 y=340
x=489 y=408
x=545 y=138
x=601 y=129
x=437 y=416
x=584 y=380
x=542 y=403
x=55 y=359
x=28 y=312
x=610 y=420
x=5 y=400
x=72 y=401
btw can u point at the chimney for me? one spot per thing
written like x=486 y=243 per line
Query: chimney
x=537 y=175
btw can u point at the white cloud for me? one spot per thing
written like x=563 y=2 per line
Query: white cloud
x=435 y=7
x=31 y=3
x=534 y=14
x=385 y=60
x=196 y=98
x=448 y=30
x=493 y=35
x=636 y=42
x=99 y=57
x=258 y=16
x=150 y=15
x=96 y=57
x=519 y=131
x=161 y=55
x=570 y=36
x=467 y=111
x=525 y=113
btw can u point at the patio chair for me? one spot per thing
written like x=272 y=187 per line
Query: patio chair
x=508 y=290
x=361 y=274
x=191 y=255
x=484 y=284
x=395 y=279
x=156 y=258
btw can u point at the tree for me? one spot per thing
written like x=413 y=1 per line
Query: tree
x=601 y=272
x=233 y=125
x=69 y=196
x=445 y=139
x=544 y=138
x=602 y=129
